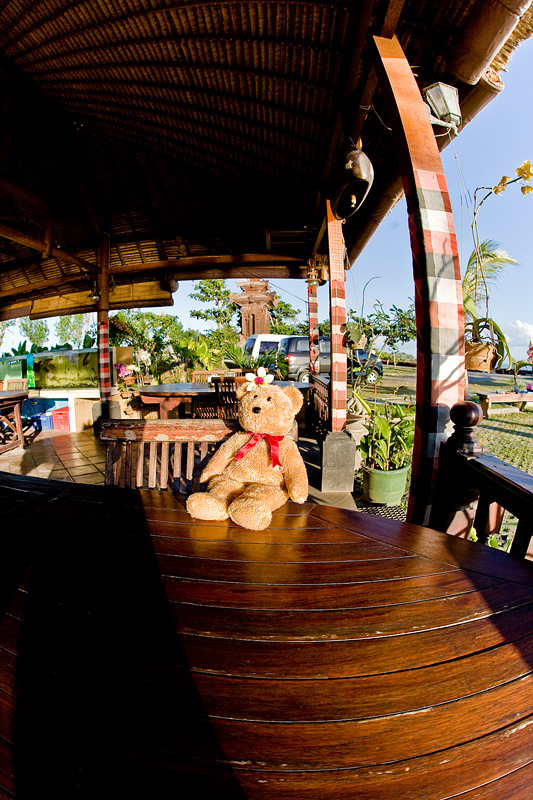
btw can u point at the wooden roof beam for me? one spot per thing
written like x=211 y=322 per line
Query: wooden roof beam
x=41 y=246
x=38 y=286
x=226 y=266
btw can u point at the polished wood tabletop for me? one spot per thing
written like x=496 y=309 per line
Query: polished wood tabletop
x=335 y=654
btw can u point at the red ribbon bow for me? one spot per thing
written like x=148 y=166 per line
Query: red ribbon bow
x=273 y=442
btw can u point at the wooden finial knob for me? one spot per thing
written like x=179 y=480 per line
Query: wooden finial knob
x=466 y=414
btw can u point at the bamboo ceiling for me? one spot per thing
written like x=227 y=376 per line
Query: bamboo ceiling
x=203 y=137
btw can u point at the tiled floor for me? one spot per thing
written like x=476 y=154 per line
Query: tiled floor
x=60 y=455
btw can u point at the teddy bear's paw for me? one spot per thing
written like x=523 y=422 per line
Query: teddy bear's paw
x=203 y=505
x=250 y=513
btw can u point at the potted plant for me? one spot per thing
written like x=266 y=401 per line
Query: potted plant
x=486 y=347
x=386 y=451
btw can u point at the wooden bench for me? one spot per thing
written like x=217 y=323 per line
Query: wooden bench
x=160 y=454
x=513 y=398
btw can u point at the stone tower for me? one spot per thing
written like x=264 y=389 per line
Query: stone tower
x=255 y=300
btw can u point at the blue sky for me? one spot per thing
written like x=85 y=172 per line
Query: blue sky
x=498 y=141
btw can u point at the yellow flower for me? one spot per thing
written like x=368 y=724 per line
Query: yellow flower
x=525 y=172
x=502 y=184
x=526 y=189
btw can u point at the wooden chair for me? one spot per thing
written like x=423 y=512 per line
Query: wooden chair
x=205 y=375
x=160 y=454
x=15 y=384
x=226 y=396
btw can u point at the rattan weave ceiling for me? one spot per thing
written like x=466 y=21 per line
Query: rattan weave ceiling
x=201 y=136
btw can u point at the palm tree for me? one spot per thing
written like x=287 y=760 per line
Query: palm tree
x=486 y=265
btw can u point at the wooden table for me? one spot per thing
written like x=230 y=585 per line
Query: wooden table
x=170 y=395
x=519 y=399
x=11 y=401
x=333 y=655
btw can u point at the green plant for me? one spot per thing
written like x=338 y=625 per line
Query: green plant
x=386 y=328
x=389 y=442
x=236 y=355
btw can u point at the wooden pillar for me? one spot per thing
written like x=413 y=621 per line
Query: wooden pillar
x=337 y=299
x=438 y=293
x=312 y=284
x=104 y=367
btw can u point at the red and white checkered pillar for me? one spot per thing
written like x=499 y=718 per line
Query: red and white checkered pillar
x=337 y=299
x=438 y=291
x=104 y=359
x=312 y=284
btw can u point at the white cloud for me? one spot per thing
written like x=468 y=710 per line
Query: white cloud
x=518 y=335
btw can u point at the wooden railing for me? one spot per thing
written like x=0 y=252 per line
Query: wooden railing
x=160 y=454
x=474 y=487
x=322 y=406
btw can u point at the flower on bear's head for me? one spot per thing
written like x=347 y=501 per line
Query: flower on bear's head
x=262 y=378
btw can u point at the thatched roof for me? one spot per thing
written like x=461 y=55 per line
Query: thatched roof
x=201 y=136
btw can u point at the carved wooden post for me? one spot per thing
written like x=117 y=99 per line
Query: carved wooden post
x=312 y=283
x=454 y=505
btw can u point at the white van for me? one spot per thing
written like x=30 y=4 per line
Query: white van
x=262 y=343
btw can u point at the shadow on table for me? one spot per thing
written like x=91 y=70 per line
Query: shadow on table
x=106 y=704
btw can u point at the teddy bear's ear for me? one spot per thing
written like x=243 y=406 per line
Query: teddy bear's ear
x=295 y=396
x=241 y=389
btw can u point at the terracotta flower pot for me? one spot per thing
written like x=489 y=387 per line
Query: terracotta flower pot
x=481 y=356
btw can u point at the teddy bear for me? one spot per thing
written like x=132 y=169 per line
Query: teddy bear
x=257 y=469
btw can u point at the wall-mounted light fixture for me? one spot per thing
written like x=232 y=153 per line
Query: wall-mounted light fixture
x=444 y=108
x=95 y=294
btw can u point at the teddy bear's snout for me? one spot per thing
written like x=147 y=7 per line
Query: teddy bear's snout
x=256 y=409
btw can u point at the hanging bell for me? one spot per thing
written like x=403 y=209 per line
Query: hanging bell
x=354 y=185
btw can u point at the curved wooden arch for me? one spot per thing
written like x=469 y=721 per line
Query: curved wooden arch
x=438 y=293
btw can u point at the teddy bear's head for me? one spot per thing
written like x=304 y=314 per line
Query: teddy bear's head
x=268 y=409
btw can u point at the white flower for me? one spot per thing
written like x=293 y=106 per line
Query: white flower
x=263 y=378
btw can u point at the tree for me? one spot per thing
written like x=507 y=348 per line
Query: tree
x=390 y=329
x=152 y=337
x=70 y=329
x=161 y=342
x=216 y=292
x=3 y=328
x=35 y=330
x=282 y=320
x=220 y=337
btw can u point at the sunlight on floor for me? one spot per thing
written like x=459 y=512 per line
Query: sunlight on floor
x=77 y=457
